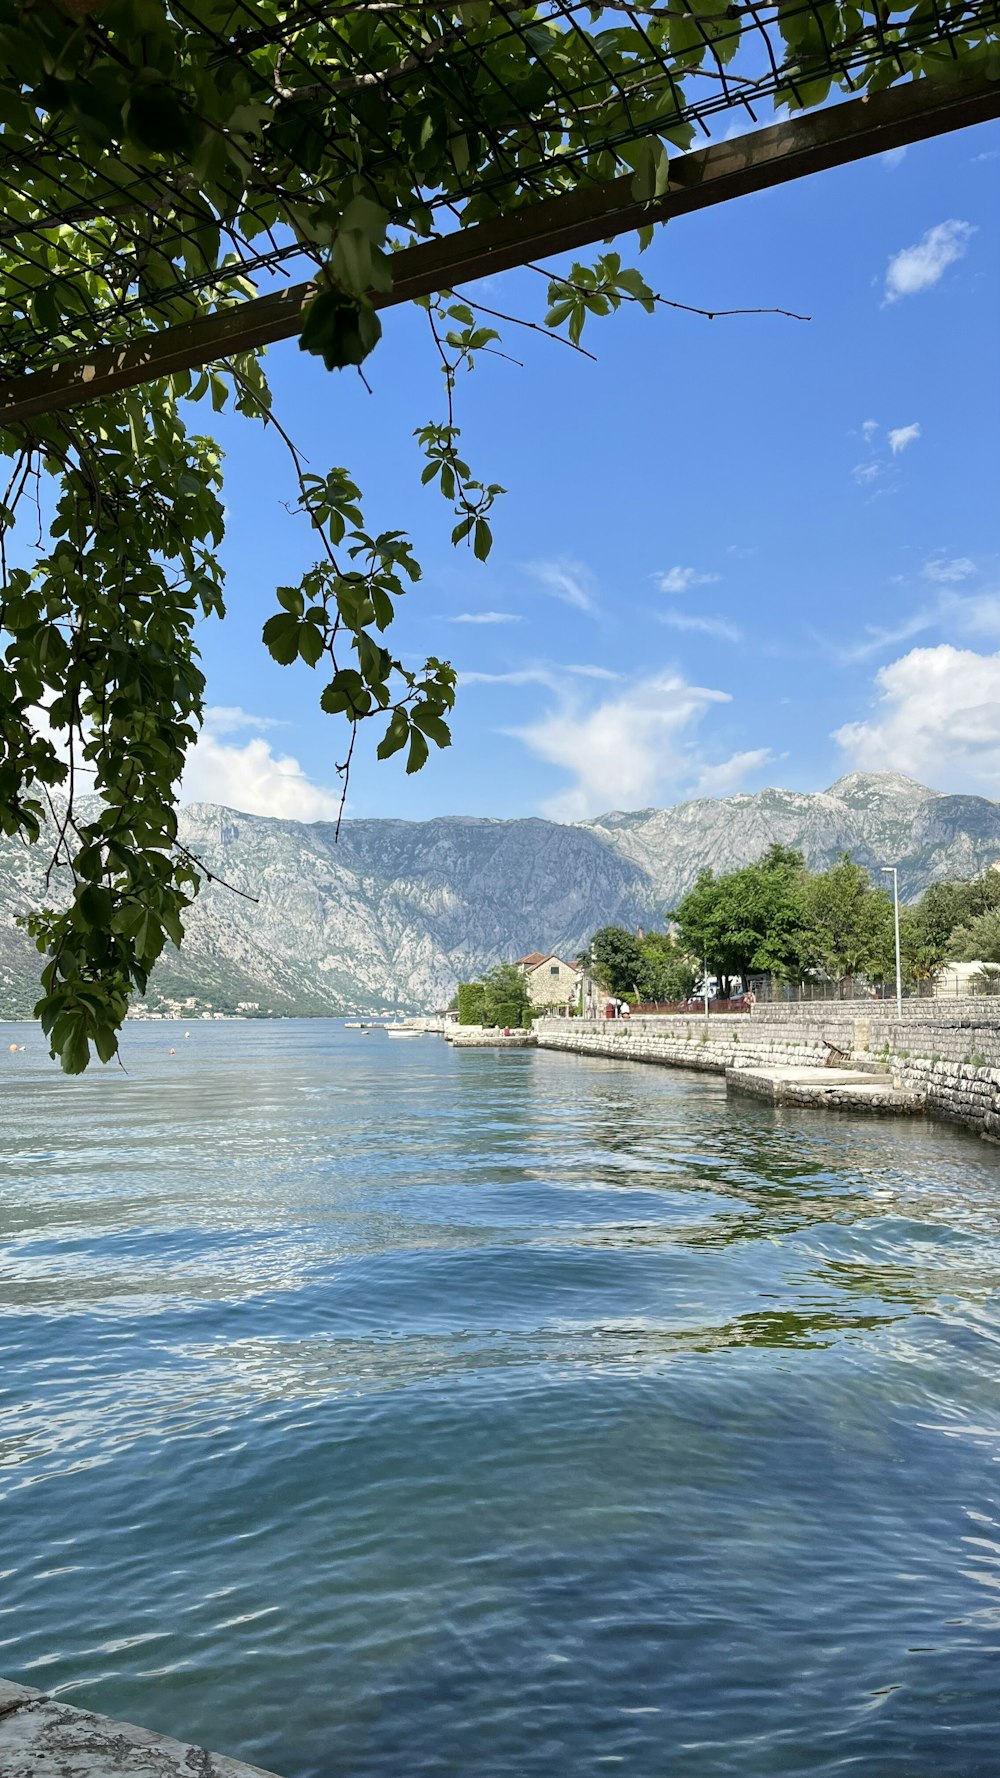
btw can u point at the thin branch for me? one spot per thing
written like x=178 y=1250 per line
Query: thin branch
x=213 y=876
x=558 y=339
x=664 y=302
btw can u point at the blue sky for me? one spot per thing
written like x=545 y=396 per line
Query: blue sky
x=733 y=553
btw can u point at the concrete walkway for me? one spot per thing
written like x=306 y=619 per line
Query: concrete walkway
x=42 y=1738
x=841 y=1089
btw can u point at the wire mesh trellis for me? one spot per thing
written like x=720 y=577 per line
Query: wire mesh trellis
x=533 y=100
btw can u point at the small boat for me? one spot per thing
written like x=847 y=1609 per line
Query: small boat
x=403 y=1031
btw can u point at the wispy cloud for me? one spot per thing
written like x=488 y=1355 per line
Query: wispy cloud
x=950 y=612
x=864 y=473
x=567 y=581
x=485 y=617
x=731 y=773
x=868 y=430
x=919 y=267
x=893 y=157
x=516 y=676
x=875 y=639
x=229 y=719
x=679 y=580
x=719 y=627
x=626 y=751
x=901 y=436
x=548 y=673
x=950 y=571
x=251 y=777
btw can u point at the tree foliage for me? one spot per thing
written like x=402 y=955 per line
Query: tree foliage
x=776 y=918
x=615 y=960
x=500 y=998
x=155 y=148
x=979 y=940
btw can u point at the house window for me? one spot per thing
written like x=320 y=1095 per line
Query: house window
x=554 y=970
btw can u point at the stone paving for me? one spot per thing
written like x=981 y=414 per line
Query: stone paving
x=43 y=1738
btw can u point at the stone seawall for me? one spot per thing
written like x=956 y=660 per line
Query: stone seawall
x=951 y=1059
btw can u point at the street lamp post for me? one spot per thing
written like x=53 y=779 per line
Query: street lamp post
x=704 y=983
x=890 y=870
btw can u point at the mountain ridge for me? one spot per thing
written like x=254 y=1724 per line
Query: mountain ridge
x=398 y=911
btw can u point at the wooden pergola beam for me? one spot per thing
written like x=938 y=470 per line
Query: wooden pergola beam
x=807 y=143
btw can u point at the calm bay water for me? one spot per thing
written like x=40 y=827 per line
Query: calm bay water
x=369 y=1409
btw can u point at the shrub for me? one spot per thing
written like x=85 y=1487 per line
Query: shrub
x=471 y=1003
x=508 y=1012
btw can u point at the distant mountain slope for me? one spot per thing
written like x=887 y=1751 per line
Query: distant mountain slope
x=399 y=910
x=879 y=817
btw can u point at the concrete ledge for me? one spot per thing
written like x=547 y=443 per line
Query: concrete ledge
x=477 y=1037
x=836 y=1089
x=42 y=1738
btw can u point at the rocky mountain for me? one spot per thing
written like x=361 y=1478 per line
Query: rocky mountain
x=397 y=912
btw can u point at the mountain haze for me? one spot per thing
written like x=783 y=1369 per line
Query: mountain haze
x=399 y=911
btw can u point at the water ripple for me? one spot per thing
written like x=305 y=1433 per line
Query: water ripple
x=365 y=1412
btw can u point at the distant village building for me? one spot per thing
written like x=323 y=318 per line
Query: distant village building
x=551 y=982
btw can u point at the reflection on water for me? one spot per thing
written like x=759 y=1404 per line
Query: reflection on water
x=367 y=1412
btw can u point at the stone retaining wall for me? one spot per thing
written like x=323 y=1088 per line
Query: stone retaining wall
x=953 y=1061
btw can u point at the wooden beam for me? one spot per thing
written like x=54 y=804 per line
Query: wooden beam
x=807 y=143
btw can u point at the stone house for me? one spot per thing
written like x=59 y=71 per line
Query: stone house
x=551 y=982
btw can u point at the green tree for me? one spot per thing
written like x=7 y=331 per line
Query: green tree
x=979 y=940
x=615 y=957
x=852 y=923
x=665 y=973
x=506 y=998
x=749 y=920
x=922 y=955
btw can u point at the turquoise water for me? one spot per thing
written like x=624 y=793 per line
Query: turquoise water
x=369 y=1409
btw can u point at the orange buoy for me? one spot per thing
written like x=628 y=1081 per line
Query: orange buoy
x=12 y=1047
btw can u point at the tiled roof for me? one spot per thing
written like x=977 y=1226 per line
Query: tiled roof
x=532 y=958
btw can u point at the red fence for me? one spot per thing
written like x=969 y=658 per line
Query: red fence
x=690 y=1006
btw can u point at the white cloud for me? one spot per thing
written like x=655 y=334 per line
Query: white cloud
x=959 y=568
x=678 y=580
x=718 y=627
x=625 y=752
x=229 y=719
x=592 y=672
x=918 y=267
x=937 y=718
x=901 y=436
x=869 y=429
x=485 y=617
x=565 y=580
x=723 y=779
x=892 y=157
x=251 y=777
